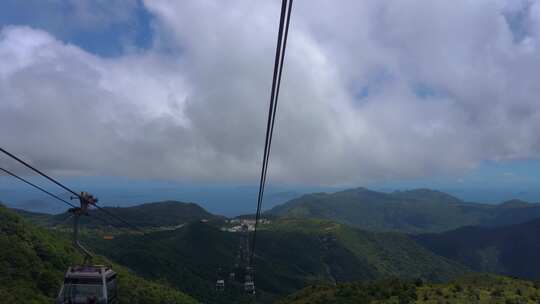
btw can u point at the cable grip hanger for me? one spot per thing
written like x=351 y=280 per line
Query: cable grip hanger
x=85 y=199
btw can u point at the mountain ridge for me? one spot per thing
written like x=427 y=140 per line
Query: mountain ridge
x=412 y=211
x=153 y=214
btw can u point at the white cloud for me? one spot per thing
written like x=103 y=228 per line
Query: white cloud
x=193 y=107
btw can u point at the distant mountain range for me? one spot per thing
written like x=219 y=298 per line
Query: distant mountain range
x=158 y=214
x=228 y=200
x=414 y=211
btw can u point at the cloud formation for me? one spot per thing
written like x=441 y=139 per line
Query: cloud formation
x=372 y=90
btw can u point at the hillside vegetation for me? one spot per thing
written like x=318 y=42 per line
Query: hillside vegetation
x=290 y=254
x=415 y=211
x=481 y=289
x=511 y=250
x=386 y=254
x=33 y=262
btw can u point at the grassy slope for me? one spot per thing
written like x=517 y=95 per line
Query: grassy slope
x=33 y=262
x=482 y=289
x=413 y=211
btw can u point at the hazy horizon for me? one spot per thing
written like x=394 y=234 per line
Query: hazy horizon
x=227 y=200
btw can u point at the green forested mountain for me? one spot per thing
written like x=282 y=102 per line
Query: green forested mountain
x=481 y=289
x=290 y=254
x=293 y=252
x=33 y=262
x=414 y=211
x=511 y=250
x=158 y=214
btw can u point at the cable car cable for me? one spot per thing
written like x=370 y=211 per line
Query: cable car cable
x=50 y=194
x=280 y=47
x=66 y=188
x=38 y=172
x=70 y=204
x=286 y=8
x=276 y=102
x=37 y=187
x=65 y=201
x=271 y=112
x=118 y=218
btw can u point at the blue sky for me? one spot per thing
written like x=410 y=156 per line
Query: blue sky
x=170 y=95
x=102 y=36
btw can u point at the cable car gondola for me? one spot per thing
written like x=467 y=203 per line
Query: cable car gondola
x=96 y=284
x=87 y=283
x=249 y=285
x=220 y=285
x=220 y=282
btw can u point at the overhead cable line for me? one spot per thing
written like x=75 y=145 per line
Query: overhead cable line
x=285 y=17
x=37 y=187
x=144 y=236
x=118 y=218
x=49 y=193
x=38 y=172
x=65 y=188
